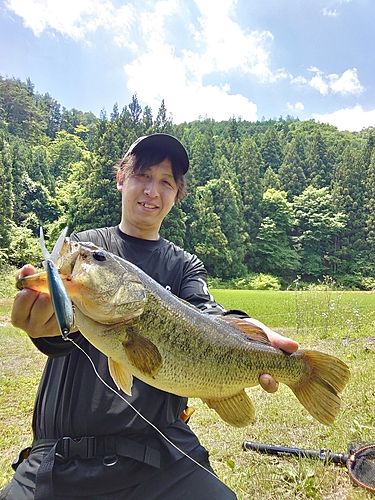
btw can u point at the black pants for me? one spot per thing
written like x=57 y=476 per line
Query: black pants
x=182 y=480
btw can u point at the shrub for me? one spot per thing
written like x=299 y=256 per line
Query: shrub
x=356 y=282
x=24 y=247
x=249 y=282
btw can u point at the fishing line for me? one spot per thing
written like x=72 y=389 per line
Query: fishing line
x=65 y=308
x=137 y=411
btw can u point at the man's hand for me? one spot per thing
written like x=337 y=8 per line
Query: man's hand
x=267 y=382
x=33 y=311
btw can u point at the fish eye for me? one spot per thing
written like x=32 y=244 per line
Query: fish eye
x=100 y=255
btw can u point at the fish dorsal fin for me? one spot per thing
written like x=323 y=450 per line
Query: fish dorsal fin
x=236 y=410
x=122 y=378
x=142 y=353
x=254 y=332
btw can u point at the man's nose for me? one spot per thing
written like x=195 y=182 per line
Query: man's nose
x=151 y=188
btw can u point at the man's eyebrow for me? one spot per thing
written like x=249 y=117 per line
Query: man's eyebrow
x=167 y=174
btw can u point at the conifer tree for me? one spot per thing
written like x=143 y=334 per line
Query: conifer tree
x=228 y=207
x=348 y=191
x=370 y=210
x=271 y=150
x=319 y=226
x=201 y=159
x=271 y=180
x=291 y=175
x=6 y=197
x=20 y=156
x=318 y=163
x=163 y=124
x=208 y=240
x=251 y=192
x=275 y=250
x=174 y=226
x=369 y=146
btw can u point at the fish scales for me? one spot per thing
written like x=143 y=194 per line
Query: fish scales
x=214 y=363
x=149 y=333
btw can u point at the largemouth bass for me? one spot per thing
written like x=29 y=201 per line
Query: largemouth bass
x=149 y=333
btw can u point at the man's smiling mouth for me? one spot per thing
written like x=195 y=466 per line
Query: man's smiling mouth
x=147 y=205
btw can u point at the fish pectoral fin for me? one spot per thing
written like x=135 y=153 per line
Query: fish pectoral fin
x=236 y=410
x=142 y=353
x=122 y=378
x=253 y=331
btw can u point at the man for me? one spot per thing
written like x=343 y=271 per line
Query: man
x=88 y=442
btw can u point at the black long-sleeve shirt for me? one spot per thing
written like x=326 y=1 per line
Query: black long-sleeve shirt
x=72 y=401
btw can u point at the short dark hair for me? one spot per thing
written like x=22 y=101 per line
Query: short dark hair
x=140 y=161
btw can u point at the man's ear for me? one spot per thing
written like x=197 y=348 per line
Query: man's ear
x=120 y=181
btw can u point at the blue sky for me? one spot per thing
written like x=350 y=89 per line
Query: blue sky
x=205 y=58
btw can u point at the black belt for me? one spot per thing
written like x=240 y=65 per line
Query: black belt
x=86 y=447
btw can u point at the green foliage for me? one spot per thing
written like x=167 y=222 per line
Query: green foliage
x=271 y=149
x=277 y=197
x=207 y=238
x=24 y=247
x=318 y=228
x=356 y=282
x=65 y=150
x=275 y=249
x=251 y=281
x=257 y=282
x=7 y=279
x=291 y=174
x=174 y=226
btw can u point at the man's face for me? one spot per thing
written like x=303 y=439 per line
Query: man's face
x=146 y=199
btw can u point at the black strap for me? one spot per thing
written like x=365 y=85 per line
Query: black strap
x=43 y=482
x=86 y=447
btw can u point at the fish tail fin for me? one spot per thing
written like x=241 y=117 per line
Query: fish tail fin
x=317 y=392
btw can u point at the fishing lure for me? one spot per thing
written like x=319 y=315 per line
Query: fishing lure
x=60 y=299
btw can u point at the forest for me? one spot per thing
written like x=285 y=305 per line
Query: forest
x=284 y=198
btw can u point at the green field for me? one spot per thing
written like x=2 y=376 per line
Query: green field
x=339 y=323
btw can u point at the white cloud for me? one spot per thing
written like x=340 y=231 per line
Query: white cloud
x=297 y=107
x=75 y=18
x=346 y=84
x=299 y=80
x=210 y=101
x=217 y=45
x=329 y=13
x=319 y=84
x=222 y=47
x=352 y=119
x=159 y=74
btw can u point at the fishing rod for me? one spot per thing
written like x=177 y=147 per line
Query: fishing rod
x=323 y=454
x=360 y=460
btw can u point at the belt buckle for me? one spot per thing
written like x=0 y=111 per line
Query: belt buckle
x=84 y=447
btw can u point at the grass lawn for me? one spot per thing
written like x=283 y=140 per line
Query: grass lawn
x=339 y=323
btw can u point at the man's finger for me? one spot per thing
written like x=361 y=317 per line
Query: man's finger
x=268 y=383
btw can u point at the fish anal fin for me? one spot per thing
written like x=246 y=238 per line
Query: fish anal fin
x=317 y=391
x=142 y=353
x=252 y=331
x=236 y=410
x=122 y=378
